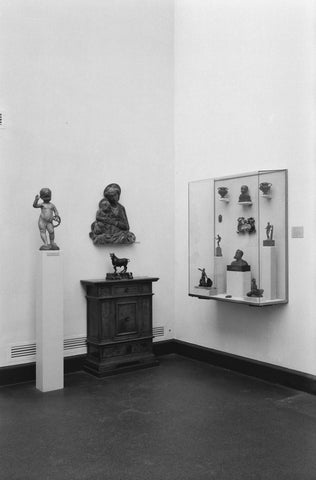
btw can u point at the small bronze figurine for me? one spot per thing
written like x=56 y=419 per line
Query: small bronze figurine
x=48 y=220
x=119 y=263
x=255 y=291
x=269 y=242
x=218 y=251
x=205 y=281
x=269 y=231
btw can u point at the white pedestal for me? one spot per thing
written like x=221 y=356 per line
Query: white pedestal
x=268 y=280
x=220 y=274
x=49 y=322
x=238 y=283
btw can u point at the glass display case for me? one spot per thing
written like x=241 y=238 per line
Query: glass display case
x=238 y=238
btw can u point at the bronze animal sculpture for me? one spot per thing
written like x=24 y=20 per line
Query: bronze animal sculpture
x=119 y=263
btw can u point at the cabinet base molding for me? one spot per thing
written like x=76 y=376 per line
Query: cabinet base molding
x=126 y=364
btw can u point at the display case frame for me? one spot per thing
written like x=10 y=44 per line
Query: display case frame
x=226 y=219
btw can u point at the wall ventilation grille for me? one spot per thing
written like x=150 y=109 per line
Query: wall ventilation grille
x=71 y=343
x=22 y=353
x=158 y=331
x=28 y=350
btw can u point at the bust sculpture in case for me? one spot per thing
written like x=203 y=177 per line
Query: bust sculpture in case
x=244 y=196
x=239 y=264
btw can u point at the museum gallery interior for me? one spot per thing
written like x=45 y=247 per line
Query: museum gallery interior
x=158 y=239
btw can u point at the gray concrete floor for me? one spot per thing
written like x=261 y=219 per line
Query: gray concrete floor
x=183 y=420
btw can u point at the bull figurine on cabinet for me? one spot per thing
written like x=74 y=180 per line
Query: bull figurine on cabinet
x=119 y=263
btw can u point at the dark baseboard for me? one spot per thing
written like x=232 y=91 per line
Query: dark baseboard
x=17 y=374
x=27 y=372
x=264 y=371
x=165 y=347
x=74 y=364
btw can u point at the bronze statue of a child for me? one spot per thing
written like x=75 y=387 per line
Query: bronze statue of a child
x=48 y=215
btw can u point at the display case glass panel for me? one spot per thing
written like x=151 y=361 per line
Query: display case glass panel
x=238 y=238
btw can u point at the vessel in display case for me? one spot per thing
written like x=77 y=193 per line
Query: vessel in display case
x=238 y=234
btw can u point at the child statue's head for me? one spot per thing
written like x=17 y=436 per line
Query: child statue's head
x=46 y=194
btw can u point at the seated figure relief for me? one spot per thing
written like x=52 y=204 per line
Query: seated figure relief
x=111 y=224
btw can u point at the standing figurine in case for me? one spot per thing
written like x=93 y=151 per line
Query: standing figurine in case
x=48 y=216
x=205 y=281
x=269 y=231
x=218 y=251
x=269 y=242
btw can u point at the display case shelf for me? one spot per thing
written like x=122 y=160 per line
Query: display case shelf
x=238 y=248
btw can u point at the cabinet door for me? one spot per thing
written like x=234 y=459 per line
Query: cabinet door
x=127 y=316
x=133 y=317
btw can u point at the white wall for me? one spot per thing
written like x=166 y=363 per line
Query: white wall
x=245 y=101
x=87 y=96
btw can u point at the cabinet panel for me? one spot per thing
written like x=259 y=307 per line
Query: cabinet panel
x=127 y=318
x=122 y=290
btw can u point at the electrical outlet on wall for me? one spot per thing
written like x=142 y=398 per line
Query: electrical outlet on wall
x=297 y=232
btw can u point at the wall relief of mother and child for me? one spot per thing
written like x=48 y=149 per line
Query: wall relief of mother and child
x=111 y=224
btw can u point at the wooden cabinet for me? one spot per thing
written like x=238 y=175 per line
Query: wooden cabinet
x=119 y=325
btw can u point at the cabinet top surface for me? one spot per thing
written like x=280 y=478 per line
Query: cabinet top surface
x=119 y=282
